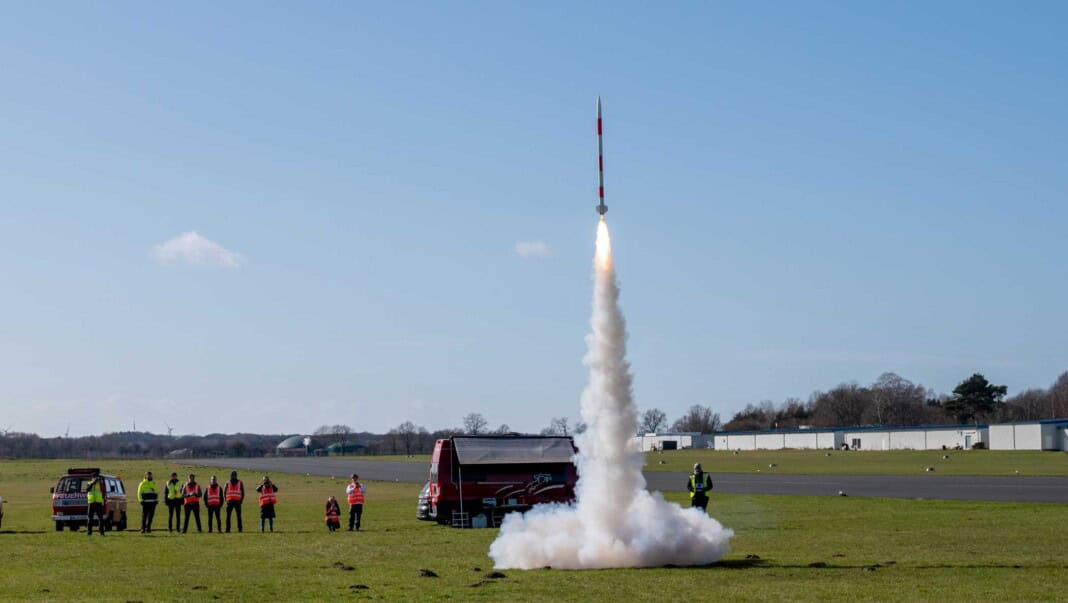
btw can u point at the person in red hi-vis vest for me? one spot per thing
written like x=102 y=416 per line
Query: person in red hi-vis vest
x=213 y=500
x=234 y=493
x=191 y=494
x=355 y=492
x=268 y=499
x=333 y=514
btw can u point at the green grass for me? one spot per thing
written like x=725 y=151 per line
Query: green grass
x=891 y=462
x=923 y=550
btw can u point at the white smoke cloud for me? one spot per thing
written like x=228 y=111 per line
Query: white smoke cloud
x=614 y=521
x=532 y=250
x=191 y=248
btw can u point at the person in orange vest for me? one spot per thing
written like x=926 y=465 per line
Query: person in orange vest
x=333 y=515
x=234 y=492
x=268 y=498
x=191 y=494
x=355 y=493
x=213 y=500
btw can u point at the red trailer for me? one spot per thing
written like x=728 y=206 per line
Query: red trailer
x=476 y=478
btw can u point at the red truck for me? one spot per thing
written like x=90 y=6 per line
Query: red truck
x=481 y=478
x=69 y=506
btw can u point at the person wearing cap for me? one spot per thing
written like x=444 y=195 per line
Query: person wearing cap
x=172 y=492
x=699 y=484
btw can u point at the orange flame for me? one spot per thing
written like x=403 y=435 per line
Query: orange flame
x=603 y=256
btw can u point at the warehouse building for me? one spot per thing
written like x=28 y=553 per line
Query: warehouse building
x=1051 y=434
x=920 y=437
x=778 y=439
x=671 y=441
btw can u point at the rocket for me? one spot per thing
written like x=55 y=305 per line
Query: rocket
x=601 y=207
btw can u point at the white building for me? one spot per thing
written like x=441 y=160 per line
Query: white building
x=920 y=437
x=777 y=439
x=1051 y=434
x=671 y=441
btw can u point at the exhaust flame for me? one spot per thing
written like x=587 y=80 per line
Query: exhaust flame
x=603 y=254
x=614 y=521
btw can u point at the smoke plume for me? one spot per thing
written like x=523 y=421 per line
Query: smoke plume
x=614 y=521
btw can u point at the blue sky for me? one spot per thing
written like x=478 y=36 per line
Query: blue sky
x=801 y=194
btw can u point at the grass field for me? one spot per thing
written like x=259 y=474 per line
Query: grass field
x=870 y=549
x=891 y=462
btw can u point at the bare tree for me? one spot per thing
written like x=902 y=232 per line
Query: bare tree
x=698 y=419
x=557 y=426
x=503 y=429
x=652 y=421
x=895 y=401
x=475 y=423
x=407 y=434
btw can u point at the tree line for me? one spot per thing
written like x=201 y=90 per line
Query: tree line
x=894 y=400
x=890 y=400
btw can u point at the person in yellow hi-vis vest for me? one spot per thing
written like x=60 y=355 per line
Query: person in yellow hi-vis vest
x=699 y=485
x=173 y=494
x=95 y=497
x=148 y=496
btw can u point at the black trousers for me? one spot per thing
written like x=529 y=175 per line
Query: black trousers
x=215 y=512
x=700 y=501
x=355 y=513
x=148 y=512
x=174 y=512
x=96 y=510
x=232 y=507
x=193 y=509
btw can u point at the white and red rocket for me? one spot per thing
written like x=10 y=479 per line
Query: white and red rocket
x=601 y=207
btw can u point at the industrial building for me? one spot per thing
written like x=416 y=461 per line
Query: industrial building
x=778 y=439
x=671 y=441
x=920 y=437
x=1051 y=434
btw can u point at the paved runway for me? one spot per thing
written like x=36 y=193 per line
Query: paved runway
x=1018 y=489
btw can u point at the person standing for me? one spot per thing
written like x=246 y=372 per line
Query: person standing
x=148 y=496
x=173 y=499
x=355 y=493
x=268 y=499
x=699 y=484
x=191 y=494
x=95 y=497
x=234 y=492
x=213 y=500
x=333 y=514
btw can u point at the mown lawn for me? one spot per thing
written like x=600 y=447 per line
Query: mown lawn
x=861 y=549
x=891 y=462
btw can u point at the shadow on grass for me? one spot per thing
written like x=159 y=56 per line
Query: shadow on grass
x=22 y=532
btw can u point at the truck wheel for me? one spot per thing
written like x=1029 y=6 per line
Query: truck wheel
x=122 y=523
x=73 y=526
x=444 y=515
x=59 y=526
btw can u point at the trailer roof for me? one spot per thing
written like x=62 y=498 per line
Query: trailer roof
x=510 y=449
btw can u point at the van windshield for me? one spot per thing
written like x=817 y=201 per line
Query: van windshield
x=72 y=485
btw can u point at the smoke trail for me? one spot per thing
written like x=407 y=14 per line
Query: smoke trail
x=614 y=521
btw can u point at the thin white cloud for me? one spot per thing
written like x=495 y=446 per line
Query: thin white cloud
x=191 y=248
x=532 y=250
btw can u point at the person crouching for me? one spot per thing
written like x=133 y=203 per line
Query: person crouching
x=333 y=514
